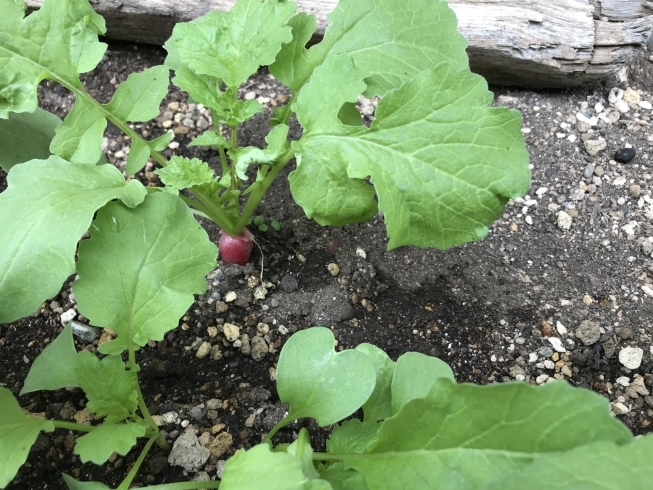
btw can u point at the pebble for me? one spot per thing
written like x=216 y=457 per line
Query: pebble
x=84 y=332
x=588 y=300
x=645 y=104
x=231 y=331
x=619 y=408
x=545 y=351
x=647 y=291
x=361 y=253
x=212 y=331
x=557 y=344
x=259 y=348
x=562 y=330
x=594 y=147
x=625 y=155
x=230 y=297
x=631 y=357
x=333 y=269
x=622 y=106
x=563 y=221
x=188 y=453
x=220 y=444
x=577 y=194
x=68 y=315
x=588 y=332
x=203 y=350
x=289 y=283
x=541 y=378
x=635 y=190
x=260 y=292
x=623 y=381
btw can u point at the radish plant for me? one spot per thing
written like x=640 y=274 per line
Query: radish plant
x=437 y=161
x=419 y=429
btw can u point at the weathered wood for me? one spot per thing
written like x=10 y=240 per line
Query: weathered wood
x=532 y=43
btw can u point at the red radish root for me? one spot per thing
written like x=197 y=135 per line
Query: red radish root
x=236 y=250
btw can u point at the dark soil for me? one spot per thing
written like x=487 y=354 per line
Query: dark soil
x=484 y=308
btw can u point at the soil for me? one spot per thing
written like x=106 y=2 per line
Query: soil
x=487 y=308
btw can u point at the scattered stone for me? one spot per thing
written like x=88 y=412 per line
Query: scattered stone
x=230 y=297
x=623 y=381
x=260 y=292
x=231 y=331
x=619 y=408
x=212 y=331
x=631 y=97
x=647 y=291
x=563 y=221
x=588 y=332
x=625 y=333
x=203 y=350
x=220 y=444
x=289 y=283
x=541 y=378
x=625 y=155
x=631 y=357
x=609 y=348
x=188 y=453
x=562 y=330
x=577 y=194
x=645 y=104
x=221 y=307
x=259 y=348
x=557 y=344
x=84 y=332
x=622 y=106
x=333 y=268
x=635 y=190
x=68 y=315
x=594 y=147
x=361 y=253
x=170 y=418
x=639 y=386
x=545 y=351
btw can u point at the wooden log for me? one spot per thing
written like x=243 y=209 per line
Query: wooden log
x=530 y=43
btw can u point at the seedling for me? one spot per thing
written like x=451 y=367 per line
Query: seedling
x=419 y=429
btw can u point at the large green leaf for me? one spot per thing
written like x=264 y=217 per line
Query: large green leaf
x=317 y=382
x=467 y=436
x=137 y=99
x=17 y=434
x=230 y=46
x=111 y=390
x=389 y=44
x=443 y=164
x=46 y=208
x=98 y=445
x=278 y=470
x=601 y=465
x=379 y=404
x=54 y=368
x=26 y=136
x=140 y=269
x=58 y=42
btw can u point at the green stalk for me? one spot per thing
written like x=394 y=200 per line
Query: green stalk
x=187 y=485
x=280 y=425
x=132 y=473
x=255 y=196
x=60 y=424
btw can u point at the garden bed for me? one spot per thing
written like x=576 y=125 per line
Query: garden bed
x=489 y=309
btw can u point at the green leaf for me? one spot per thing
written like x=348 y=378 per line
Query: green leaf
x=54 y=368
x=162 y=142
x=414 y=375
x=279 y=471
x=443 y=164
x=342 y=479
x=210 y=138
x=83 y=485
x=302 y=450
x=138 y=157
x=379 y=404
x=278 y=144
x=182 y=173
x=58 y=41
x=138 y=98
x=140 y=269
x=275 y=225
x=98 y=445
x=110 y=389
x=469 y=436
x=26 y=136
x=46 y=208
x=352 y=437
x=17 y=434
x=600 y=465
x=231 y=46
x=317 y=382
x=79 y=138
x=388 y=44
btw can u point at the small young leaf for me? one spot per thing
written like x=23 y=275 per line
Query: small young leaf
x=443 y=164
x=352 y=437
x=138 y=157
x=342 y=479
x=98 y=445
x=414 y=375
x=182 y=173
x=317 y=382
x=379 y=405
x=46 y=208
x=140 y=269
x=59 y=40
x=259 y=220
x=79 y=138
x=302 y=450
x=277 y=146
x=17 y=434
x=54 y=368
x=83 y=485
x=279 y=471
x=26 y=136
x=110 y=389
x=275 y=225
x=210 y=138
x=162 y=142
x=232 y=45
x=262 y=228
x=138 y=98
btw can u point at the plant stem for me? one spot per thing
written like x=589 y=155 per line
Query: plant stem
x=255 y=196
x=280 y=425
x=132 y=473
x=187 y=485
x=60 y=424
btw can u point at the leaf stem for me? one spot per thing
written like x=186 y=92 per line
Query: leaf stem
x=280 y=425
x=255 y=196
x=187 y=485
x=60 y=424
x=132 y=473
